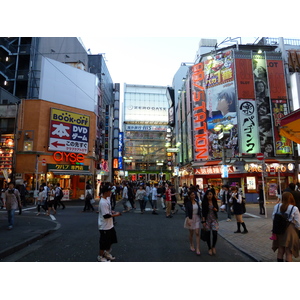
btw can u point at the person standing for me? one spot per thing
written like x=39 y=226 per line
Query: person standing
x=131 y=195
x=154 y=199
x=192 y=220
x=210 y=222
x=12 y=202
x=23 y=191
x=288 y=242
x=140 y=195
x=160 y=195
x=261 y=200
x=236 y=200
x=125 y=197
x=225 y=200
x=168 y=201
x=106 y=227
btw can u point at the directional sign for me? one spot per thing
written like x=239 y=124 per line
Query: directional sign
x=260 y=156
x=272 y=170
x=69 y=132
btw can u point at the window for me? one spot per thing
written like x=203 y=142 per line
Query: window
x=28 y=146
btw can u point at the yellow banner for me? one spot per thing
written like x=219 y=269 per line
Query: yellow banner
x=69 y=117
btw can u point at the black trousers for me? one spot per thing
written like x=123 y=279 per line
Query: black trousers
x=58 y=201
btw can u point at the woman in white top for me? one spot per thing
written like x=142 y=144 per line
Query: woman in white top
x=41 y=200
x=288 y=242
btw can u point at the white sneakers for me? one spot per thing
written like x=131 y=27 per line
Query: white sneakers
x=107 y=257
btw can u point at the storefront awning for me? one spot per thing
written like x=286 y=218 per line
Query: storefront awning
x=67 y=172
x=290 y=126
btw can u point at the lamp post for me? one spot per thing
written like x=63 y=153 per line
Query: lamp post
x=224 y=133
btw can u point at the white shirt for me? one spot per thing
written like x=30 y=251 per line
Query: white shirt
x=154 y=193
x=104 y=209
x=125 y=192
x=295 y=215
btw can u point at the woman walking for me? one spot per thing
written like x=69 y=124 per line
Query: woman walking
x=288 y=242
x=41 y=200
x=192 y=221
x=140 y=194
x=210 y=222
x=51 y=200
x=236 y=200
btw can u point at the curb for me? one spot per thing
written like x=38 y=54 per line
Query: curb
x=11 y=250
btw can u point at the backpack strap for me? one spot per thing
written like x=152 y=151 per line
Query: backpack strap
x=291 y=211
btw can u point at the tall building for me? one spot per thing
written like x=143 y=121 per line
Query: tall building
x=234 y=97
x=60 y=71
x=145 y=125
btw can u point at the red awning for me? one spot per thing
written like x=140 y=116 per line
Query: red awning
x=290 y=126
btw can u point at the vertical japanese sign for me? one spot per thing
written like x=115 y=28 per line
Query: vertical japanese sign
x=263 y=105
x=69 y=132
x=279 y=104
x=248 y=123
x=249 y=141
x=121 y=147
x=221 y=103
x=200 y=133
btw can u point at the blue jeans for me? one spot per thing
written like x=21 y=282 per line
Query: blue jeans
x=11 y=217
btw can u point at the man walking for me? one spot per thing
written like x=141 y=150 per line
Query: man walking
x=13 y=202
x=58 y=196
x=125 y=197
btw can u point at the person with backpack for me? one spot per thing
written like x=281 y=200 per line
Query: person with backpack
x=58 y=196
x=13 y=202
x=287 y=241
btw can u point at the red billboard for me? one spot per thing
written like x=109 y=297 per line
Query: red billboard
x=244 y=78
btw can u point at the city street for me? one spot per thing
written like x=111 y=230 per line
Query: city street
x=141 y=238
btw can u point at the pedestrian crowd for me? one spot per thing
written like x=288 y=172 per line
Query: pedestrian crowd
x=201 y=211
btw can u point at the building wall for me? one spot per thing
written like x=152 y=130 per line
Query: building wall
x=34 y=119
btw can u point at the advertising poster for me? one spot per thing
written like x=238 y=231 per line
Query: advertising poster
x=69 y=132
x=221 y=104
x=279 y=106
x=200 y=133
x=248 y=125
x=244 y=78
x=263 y=105
x=283 y=145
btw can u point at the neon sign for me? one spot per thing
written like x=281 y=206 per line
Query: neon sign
x=71 y=157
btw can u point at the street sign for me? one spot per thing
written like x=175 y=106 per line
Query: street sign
x=43 y=162
x=260 y=156
x=272 y=170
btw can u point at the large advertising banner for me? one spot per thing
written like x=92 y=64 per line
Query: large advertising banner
x=69 y=132
x=200 y=133
x=244 y=78
x=263 y=104
x=279 y=105
x=249 y=141
x=221 y=104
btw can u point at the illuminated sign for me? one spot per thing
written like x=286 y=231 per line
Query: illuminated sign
x=199 y=113
x=69 y=132
x=248 y=127
x=66 y=167
x=73 y=158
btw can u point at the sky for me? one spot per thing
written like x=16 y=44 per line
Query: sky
x=146 y=60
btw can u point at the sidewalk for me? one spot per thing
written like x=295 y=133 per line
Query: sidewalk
x=26 y=231
x=256 y=243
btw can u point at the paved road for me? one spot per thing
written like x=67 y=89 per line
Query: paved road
x=141 y=238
